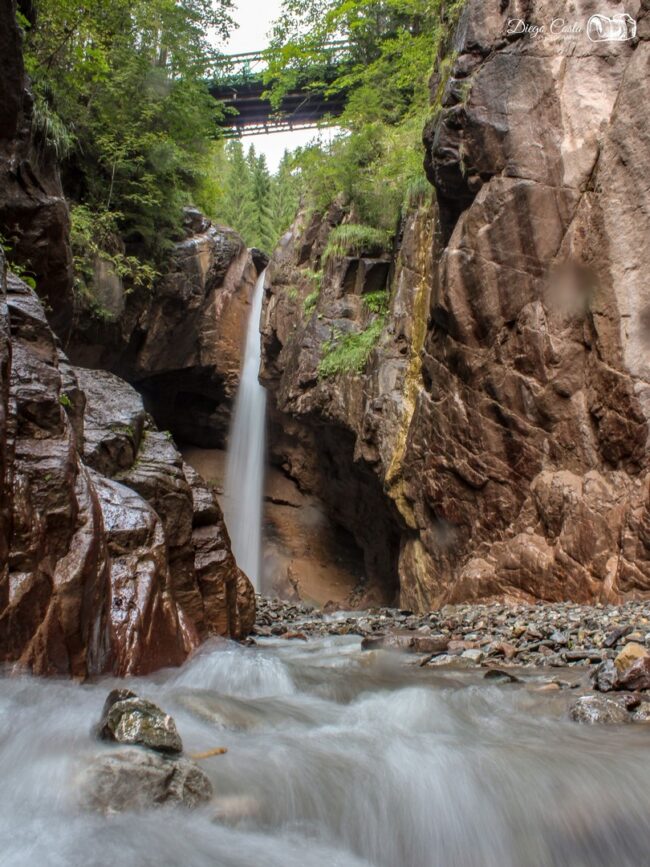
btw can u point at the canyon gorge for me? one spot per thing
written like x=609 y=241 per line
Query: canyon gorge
x=492 y=445
x=325 y=492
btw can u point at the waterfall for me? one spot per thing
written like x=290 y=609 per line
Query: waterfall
x=245 y=463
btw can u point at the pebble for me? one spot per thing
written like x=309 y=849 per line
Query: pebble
x=546 y=634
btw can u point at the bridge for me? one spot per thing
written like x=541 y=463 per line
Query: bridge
x=239 y=85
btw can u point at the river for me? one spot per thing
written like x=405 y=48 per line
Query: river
x=336 y=758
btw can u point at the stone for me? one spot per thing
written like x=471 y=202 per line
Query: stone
x=642 y=712
x=133 y=780
x=612 y=638
x=500 y=676
x=473 y=655
x=128 y=719
x=629 y=655
x=405 y=642
x=605 y=677
x=636 y=676
x=594 y=709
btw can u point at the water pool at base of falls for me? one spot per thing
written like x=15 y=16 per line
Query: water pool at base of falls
x=336 y=758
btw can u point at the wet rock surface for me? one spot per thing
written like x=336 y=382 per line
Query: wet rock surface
x=111 y=557
x=128 y=719
x=203 y=299
x=596 y=709
x=504 y=409
x=137 y=780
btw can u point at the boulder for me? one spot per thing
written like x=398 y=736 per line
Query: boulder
x=128 y=719
x=636 y=676
x=406 y=642
x=136 y=779
x=605 y=677
x=629 y=655
x=593 y=709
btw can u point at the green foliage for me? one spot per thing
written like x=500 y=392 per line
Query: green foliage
x=64 y=400
x=377 y=302
x=120 y=91
x=417 y=191
x=349 y=353
x=93 y=235
x=314 y=277
x=260 y=206
x=18 y=269
x=310 y=302
x=383 y=67
x=49 y=129
x=355 y=239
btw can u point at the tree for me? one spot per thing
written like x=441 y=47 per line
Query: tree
x=121 y=88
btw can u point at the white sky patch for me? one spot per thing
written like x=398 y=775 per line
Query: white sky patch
x=255 y=18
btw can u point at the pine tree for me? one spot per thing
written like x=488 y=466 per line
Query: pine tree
x=237 y=207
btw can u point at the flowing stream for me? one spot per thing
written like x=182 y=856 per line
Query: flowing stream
x=336 y=758
x=245 y=464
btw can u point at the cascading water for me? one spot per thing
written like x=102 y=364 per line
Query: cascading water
x=335 y=757
x=245 y=464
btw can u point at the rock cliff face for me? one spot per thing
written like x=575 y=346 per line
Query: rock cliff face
x=113 y=552
x=33 y=212
x=496 y=443
x=181 y=344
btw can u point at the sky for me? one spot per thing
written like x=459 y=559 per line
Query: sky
x=255 y=18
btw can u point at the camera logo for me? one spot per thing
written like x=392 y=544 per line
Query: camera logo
x=618 y=28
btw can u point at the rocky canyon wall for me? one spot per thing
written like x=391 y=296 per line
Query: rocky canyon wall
x=496 y=442
x=181 y=342
x=34 y=219
x=114 y=554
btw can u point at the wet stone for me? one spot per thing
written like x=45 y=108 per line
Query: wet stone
x=597 y=709
x=136 y=779
x=128 y=719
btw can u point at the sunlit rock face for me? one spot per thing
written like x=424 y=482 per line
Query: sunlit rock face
x=506 y=425
x=113 y=553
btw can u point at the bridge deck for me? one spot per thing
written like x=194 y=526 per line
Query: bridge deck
x=241 y=91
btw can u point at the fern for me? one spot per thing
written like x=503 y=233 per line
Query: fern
x=48 y=127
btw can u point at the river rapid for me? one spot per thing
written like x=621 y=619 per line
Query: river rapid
x=336 y=758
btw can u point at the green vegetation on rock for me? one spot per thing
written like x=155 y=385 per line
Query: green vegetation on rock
x=353 y=239
x=349 y=353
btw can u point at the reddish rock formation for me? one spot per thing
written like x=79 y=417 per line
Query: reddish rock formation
x=181 y=344
x=501 y=424
x=114 y=553
x=33 y=212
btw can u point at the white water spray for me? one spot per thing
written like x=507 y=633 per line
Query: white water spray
x=245 y=464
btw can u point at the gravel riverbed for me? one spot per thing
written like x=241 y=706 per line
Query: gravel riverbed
x=545 y=634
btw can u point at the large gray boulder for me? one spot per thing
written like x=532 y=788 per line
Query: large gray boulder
x=136 y=779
